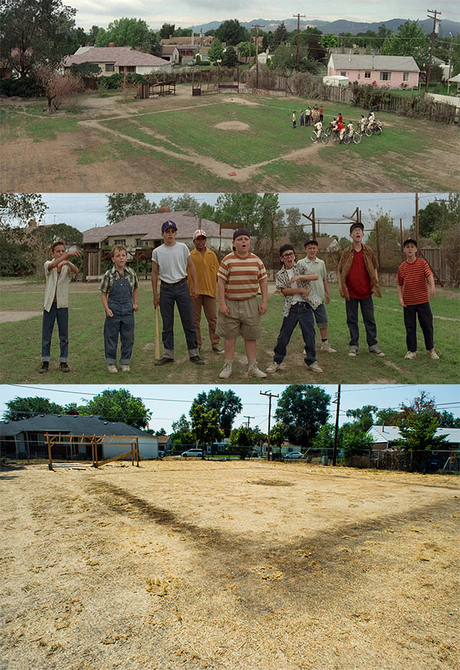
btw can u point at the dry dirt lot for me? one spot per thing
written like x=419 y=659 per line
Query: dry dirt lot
x=235 y=565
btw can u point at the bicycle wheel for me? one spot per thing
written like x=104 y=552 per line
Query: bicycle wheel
x=378 y=131
x=334 y=136
x=368 y=132
x=313 y=136
x=357 y=138
x=324 y=138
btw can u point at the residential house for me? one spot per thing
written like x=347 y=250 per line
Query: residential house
x=380 y=71
x=143 y=232
x=385 y=436
x=26 y=438
x=118 y=60
x=170 y=53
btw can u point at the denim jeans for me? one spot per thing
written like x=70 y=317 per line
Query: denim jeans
x=60 y=315
x=367 y=311
x=179 y=294
x=300 y=313
x=425 y=319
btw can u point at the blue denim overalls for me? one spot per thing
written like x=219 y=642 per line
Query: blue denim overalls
x=120 y=301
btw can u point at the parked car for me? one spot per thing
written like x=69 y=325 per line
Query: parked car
x=193 y=453
x=293 y=456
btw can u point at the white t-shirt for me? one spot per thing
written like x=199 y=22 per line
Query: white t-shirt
x=297 y=297
x=172 y=262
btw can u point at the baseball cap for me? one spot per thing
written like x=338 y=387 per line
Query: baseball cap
x=311 y=240
x=241 y=231
x=356 y=225
x=168 y=224
x=199 y=233
x=409 y=240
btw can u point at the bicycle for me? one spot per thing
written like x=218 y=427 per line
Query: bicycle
x=356 y=138
x=323 y=138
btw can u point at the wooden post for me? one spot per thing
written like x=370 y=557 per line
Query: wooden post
x=50 y=465
x=137 y=452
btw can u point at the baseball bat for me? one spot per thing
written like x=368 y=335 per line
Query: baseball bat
x=157 y=335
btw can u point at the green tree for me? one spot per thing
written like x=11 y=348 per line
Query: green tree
x=280 y=36
x=439 y=217
x=388 y=417
x=251 y=210
x=329 y=41
x=243 y=439
x=122 y=205
x=167 y=31
x=384 y=238
x=35 y=31
x=230 y=57
x=303 y=409
x=277 y=434
x=246 y=49
x=364 y=417
x=226 y=403
x=232 y=32
x=118 y=405
x=182 y=432
x=410 y=40
x=324 y=438
x=21 y=208
x=126 y=32
x=418 y=433
x=355 y=441
x=215 y=52
x=25 y=408
x=205 y=426
x=183 y=203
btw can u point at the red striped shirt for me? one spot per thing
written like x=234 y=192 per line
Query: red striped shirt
x=242 y=276
x=413 y=278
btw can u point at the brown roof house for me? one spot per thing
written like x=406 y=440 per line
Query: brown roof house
x=118 y=60
x=143 y=232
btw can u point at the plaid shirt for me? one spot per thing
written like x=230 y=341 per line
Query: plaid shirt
x=111 y=275
x=283 y=281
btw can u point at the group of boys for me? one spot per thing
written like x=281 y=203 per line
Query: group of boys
x=188 y=280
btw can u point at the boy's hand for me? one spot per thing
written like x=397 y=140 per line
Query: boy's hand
x=401 y=302
x=135 y=307
x=109 y=312
x=328 y=299
x=342 y=292
x=296 y=278
x=262 y=308
x=77 y=252
x=306 y=291
x=432 y=291
x=223 y=309
x=156 y=301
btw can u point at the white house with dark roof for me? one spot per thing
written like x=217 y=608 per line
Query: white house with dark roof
x=118 y=60
x=380 y=71
x=384 y=436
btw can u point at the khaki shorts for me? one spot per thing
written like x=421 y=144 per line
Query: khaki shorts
x=243 y=319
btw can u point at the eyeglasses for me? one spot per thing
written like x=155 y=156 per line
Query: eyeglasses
x=288 y=255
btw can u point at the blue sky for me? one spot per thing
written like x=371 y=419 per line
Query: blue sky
x=169 y=402
x=184 y=13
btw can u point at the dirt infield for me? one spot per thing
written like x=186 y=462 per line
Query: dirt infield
x=229 y=565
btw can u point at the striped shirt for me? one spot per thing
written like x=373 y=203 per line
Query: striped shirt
x=413 y=277
x=242 y=276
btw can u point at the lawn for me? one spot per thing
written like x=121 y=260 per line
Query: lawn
x=222 y=143
x=20 y=359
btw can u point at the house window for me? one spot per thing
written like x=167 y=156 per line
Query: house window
x=122 y=242
x=139 y=242
x=367 y=74
x=343 y=74
x=359 y=75
x=385 y=76
x=109 y=67
x=405 y=76
x=130 y=68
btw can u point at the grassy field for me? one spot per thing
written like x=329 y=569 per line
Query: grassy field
x=21 y=344
x=180 y=144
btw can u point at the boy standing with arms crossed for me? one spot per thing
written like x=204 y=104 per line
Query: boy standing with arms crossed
x=415 y=278
x=358 y=280
x=57 y=275
x=313 y=265
x=170 y=263
x=241 y=275
x=119 y=298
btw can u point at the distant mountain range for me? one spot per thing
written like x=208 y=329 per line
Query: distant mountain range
x=336 y=27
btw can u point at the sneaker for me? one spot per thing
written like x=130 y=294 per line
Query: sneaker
x=164 y=361
x=44 y=368
x=253 y=371
x=376 y=352
x=410 y=354
x=64 y=367
x=197 y=360
x=125 y=368
x=325 y=346
x=273 y=367
x=314 y=367
x=432 y=354
x=353 y=351
x=112 y=368
x=226 y=371
x=218 y=350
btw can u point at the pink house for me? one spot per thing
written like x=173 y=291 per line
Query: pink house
x=382 y=71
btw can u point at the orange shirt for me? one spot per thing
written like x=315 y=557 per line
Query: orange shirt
x=242 y=276
x=207 y=267
x=413 y=278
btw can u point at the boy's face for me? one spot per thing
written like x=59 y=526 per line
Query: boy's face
x=311 y=250
x=410 y=250
x=200 y=243
x=242 y=245
x=357 y=234
x=288 y=258
x=119 y=259
x=58 y=251
x=169 y=236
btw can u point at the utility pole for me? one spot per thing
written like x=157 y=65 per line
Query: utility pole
x=256 y=26
x=270 y=396
x=298 y=39
x=432 y=14
x=311 y=217
x=336 y=433
x=249 y=418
